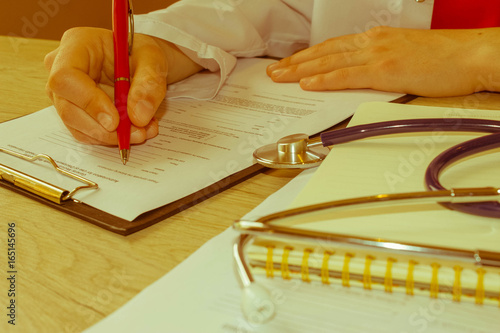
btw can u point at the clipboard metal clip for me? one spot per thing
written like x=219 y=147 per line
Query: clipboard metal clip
x=39 y=187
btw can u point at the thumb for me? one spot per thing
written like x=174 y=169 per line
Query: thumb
x=149 y=82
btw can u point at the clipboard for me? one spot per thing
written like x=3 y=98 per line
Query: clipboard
x=62 y=199
x=70 y=206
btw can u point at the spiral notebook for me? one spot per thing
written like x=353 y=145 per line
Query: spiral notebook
x=390 y=165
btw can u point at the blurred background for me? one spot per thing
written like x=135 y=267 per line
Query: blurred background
x=48 y=19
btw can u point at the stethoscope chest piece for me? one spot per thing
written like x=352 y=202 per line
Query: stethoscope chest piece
x=293 y=151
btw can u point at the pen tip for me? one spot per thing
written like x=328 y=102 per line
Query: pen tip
x=124 y=154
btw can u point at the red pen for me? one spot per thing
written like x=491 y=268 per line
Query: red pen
x=122 y=12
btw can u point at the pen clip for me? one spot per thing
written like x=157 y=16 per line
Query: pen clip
x=131 y=26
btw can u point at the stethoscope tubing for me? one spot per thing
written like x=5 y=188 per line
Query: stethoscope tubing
x=454 y=154
x=409 y=125
x=439 y=163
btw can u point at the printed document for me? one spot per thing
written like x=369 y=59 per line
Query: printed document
x=200 y=141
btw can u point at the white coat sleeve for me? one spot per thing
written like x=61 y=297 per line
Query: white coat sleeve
x=215 y=32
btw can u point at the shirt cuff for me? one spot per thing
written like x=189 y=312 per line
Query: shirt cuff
x=214 y=59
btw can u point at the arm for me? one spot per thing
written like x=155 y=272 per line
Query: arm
x=431 y=63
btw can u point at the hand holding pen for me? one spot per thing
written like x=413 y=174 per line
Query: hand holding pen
x=81 y=83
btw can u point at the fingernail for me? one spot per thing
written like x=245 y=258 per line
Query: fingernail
x=279 y=73
x=143 y=112
x=152 y=131
x=106 y=121
x=137 y=136
x=273 y=67
x=307 y=82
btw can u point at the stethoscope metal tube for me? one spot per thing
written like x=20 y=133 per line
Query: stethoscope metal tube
x=264 y=226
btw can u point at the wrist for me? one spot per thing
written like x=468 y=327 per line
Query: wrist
x=180 y=66
x=486 y=68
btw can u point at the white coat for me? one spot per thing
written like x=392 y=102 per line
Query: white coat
x=215 y=32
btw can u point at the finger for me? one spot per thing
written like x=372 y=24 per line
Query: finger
x=77 y=87
x=139 y=135
x=79 y=121
x=85 y=129
x=84 y=138
x=152 y=129
x=149 y=82
x=49 y=92
x=49 y=59
x=322 y=65
x=359 y=77
x=331 y=46
x=76 y=68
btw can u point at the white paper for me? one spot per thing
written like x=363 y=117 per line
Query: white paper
x=200 y=142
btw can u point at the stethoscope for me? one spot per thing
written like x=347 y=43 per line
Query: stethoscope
x=299 y=151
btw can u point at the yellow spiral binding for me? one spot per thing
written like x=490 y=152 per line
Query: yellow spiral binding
x=388 y=275
x=285 y=271
x=480 y=286
x=434 y=288
x=367 y=276
x=345 y=269
x=304 y=268
x=325 y=271
x=457 y=285
x=270 y=262
x=410 y=282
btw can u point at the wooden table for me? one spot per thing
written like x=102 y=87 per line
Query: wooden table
x=71 y=274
